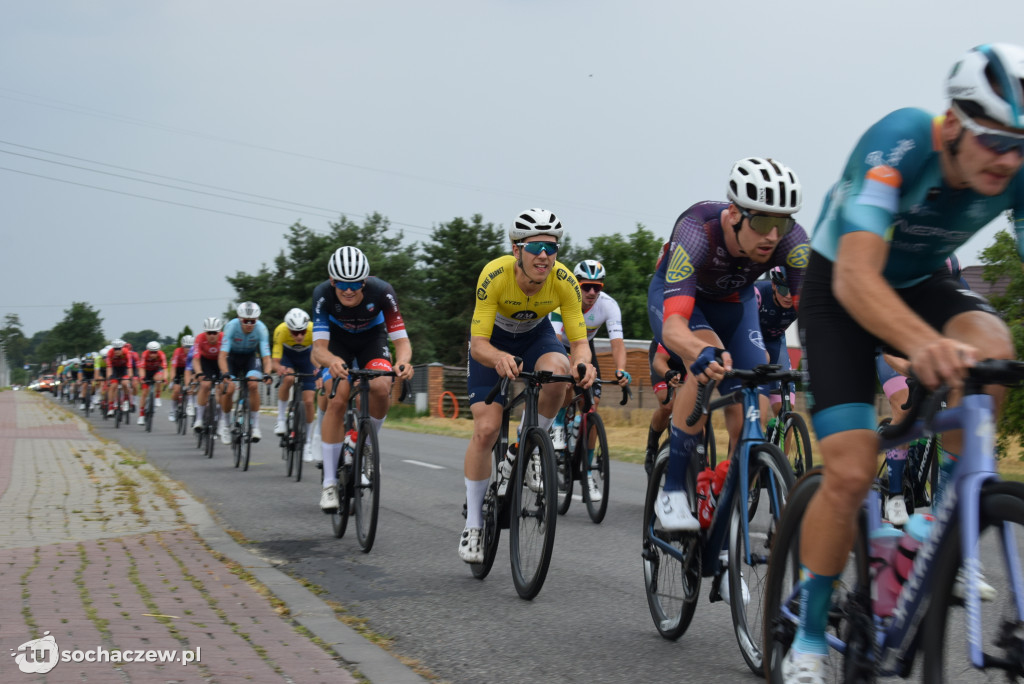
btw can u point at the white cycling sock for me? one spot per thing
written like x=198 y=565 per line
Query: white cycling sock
x=544 y=422
x=200 y=410
x=282 y=407
x=475 y=491
x=376 y=423
x=331 y=453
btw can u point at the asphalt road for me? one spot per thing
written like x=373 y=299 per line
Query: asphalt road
x=589 y=624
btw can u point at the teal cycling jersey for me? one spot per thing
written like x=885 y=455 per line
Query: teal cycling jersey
x=892 y=186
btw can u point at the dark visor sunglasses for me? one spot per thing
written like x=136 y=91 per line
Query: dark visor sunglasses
x=992 y=140
x=783 y=290
x=535 y=248
x=762 y=224
x=248 y=321
x=591 y=287
x=358 y=285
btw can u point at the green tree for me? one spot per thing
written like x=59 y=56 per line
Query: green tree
x=79 y=331
x=302 y=266
x=187 y=330
x=14 y=345
x=1002 y=264
x=140 y=339
x=629 y=263
x=453 y=259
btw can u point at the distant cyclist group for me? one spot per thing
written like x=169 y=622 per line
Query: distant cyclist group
x=875 y=287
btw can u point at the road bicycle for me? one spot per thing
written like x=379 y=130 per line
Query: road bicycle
x=585 y=458
x=123 y=397
x=293 y=441
x=149 y=409
x=675 y=561
x=87 y=397
x=181 y=409
x=359 y=481
x=528 y=512
x=206 y=436
x=241 y=424
x=940 y=602
x=789 y=432
x=920 y=474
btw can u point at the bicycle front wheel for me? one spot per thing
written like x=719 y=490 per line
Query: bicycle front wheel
x=672 y=582
x=796 y=444
x=533 y=513
x=781 y=600
x=1001 y=534
x=150 y=409
x=300 y=440
x=564 y=469
x=749 y=549
x=597 y=476
x=366 y=486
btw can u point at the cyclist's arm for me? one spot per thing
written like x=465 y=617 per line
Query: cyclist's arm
x=486 y=354
x=267 y=366
x=403 y=358
x=222 y=361
x=323 y=357
x=861 y=289
x=579 y=352
x=619 y=356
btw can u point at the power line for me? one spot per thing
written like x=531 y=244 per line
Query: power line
x=163 y=301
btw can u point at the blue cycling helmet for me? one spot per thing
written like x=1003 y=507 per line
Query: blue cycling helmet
x=778 y=276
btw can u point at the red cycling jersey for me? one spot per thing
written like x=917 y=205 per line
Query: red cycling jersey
x=208 y=346
x=118 y=358
x=179 y=358
x=153 y=361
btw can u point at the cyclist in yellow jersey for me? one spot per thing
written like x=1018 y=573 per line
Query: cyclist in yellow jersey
x=514 y=296
x=292 y=353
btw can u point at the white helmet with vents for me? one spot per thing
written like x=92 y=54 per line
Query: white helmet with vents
x=989 y=82
x=248 y=310
x=348 y=264
x=535 y=222
x=296 y=319
x=758 y=184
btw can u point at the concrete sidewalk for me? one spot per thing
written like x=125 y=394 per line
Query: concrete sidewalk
x=104 y=558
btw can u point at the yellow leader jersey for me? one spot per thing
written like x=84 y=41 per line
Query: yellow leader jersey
x=283 y=338
x=500 y=301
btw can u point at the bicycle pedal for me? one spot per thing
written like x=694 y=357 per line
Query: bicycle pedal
x=716 y=595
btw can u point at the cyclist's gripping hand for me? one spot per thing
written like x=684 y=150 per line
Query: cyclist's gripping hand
x=507 y=366
x=338 y=368
x=942 y=360
x=623 y=377
x=587 y=379
x=707 y=366
x=404 y=371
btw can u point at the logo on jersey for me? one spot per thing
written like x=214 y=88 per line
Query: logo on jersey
x=524 y=315
x=679 y=267
x=370 y=307
x=797 y=257
x=561 y=274
x=481 y=293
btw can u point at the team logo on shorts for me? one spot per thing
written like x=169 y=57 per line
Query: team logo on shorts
x=797 y=257
x=679 y=267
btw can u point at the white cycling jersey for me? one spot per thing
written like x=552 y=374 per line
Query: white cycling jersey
x=604 y=312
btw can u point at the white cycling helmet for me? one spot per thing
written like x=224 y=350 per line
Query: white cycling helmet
x=989 y=82
x=533 y=222
x=348 y=264
x=187 y=341
x=296 y=319
x=117 y=344
x=105 y=350
x=248 y=310
x=764 y=185
x=589 y=269
x=153 y=346
x=212 y=324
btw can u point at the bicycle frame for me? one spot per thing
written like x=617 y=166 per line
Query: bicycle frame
x=738 y=479
x=897 y=643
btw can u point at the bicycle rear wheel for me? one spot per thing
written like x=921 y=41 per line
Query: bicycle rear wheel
x=564 y=476
x=150 y=408
x=366 y=486
x=339 y=518
x=492 y=523
x=300 y=439
x=782 y=595
x=210 y=426
x=533 y=514
x=1000 y=638
x=770 y=472
x=288 y=443
x=596 y=469
x=672 y=585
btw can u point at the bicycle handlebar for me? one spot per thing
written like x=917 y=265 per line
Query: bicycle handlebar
x=359 y=373
x=759 y=375
x=538 y=377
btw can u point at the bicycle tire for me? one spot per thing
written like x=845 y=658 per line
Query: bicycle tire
x=769 y=470
x=598 y=468
x=245 y=436
x=784 y=576
x=492 y=526
x=672 y=588
x=1002 y=505
x=366 y=498
x=339 y=518
x=533 y=515
x=87 y=396
x=150 y=408
x=210 y=426
x=798 y=437
x=300 y=439
x=565 y=462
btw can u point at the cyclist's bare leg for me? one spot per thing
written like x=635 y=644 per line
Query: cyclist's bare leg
x=254 y=397
x=486 y=425
x=380 y=398
x=552 y=395
x=332 y=429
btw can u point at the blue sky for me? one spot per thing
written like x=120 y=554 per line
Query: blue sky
x=245 y=117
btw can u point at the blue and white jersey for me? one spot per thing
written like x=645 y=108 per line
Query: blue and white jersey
x=892 y=186
x=238 y=342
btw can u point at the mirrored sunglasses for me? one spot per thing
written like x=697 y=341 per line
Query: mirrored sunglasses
x=762 y=224
x=348 y=286
x=536 y=248
x=591 y=287
x=992 y=140
x=248 y=321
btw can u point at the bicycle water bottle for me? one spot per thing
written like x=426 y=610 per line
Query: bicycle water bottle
x=574 y=432
x=705 y=499
x=917 y=529
x=882 y=550
x=505 y=469
x=348 y=447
